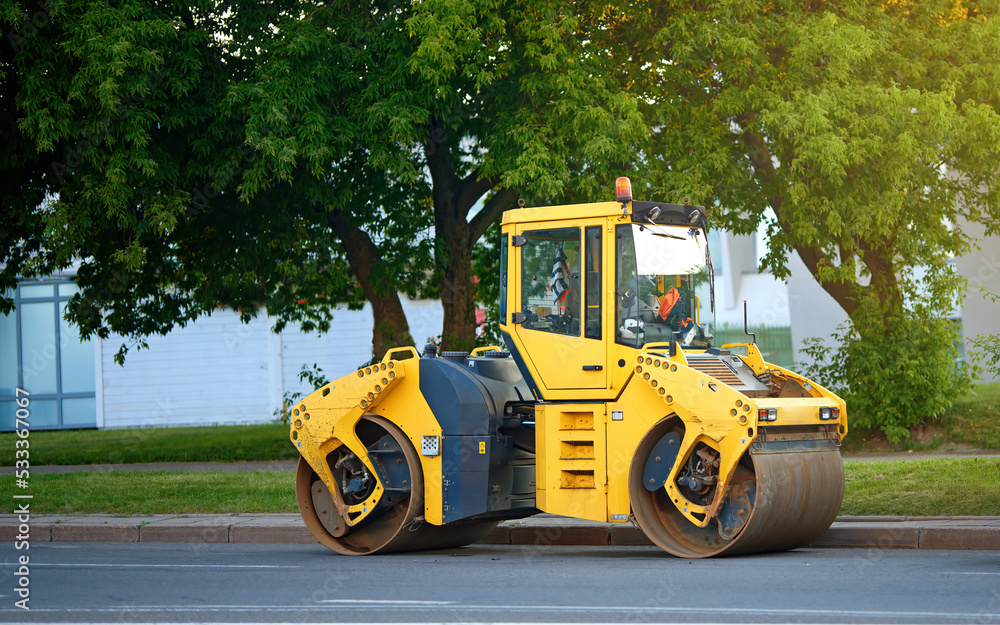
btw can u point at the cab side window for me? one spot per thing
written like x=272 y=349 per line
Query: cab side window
x=551 y=289
x=592 y=283
x=503 y=276
x=627 y=300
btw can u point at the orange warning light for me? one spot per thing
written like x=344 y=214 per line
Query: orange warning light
x=623 y=189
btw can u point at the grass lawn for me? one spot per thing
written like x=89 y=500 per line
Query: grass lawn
x=160 y=492
x=218 y=443
x=937 y=487
x=975 y=419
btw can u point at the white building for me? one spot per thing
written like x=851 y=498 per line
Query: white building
x=981 y=266
x=216 y=370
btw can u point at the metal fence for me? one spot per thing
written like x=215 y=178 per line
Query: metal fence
x=774 y=343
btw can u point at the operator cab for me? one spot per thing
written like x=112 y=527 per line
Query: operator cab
x=584 y=286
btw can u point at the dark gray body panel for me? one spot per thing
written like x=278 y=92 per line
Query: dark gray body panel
x=468 y=397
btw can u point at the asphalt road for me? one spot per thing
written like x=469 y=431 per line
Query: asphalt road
x=174 y=582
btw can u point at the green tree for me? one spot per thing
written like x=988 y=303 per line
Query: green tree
x=476 y=97
x=868 y=128
x=292 y=154
x=126 y=157
x=101 y=104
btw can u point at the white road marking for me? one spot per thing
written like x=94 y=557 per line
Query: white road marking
x=620 y=610
x=761 y=611
x=393 y=623
x=56 y=565
x=386 y=601
x=972 y=573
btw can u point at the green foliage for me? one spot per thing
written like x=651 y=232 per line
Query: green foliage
x=285 y=157
x=989 y=344
x=972 y=422
x=870 y=132
x=848 y=120
x=893 y=377
x=117 y=112
x=289 y=156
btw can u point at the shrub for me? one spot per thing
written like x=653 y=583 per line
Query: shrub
x=894 y=375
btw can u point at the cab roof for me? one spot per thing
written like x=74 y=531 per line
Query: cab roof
x=670 y=214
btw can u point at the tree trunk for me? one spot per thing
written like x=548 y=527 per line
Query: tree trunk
x=391 y=328
x=847 y=293
x=456 y=282
x=458 y=296
x=453 y=198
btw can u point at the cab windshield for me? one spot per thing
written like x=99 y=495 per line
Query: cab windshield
x=663 y=286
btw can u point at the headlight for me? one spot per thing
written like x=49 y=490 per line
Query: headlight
x=829 y=414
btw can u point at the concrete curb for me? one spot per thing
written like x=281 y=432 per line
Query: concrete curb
x=980 y=533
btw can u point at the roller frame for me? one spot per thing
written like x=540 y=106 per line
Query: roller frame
x=727 y=436
x=316 y=433
x=799 y=489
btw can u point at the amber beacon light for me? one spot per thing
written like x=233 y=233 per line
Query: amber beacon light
x=623 y=189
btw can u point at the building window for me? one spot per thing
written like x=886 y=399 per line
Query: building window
x=715 y=245
x=41 y=353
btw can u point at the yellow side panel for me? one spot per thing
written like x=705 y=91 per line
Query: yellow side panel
x=326 y=419
x=571 y=475
x=629 y=419
x=406 y=407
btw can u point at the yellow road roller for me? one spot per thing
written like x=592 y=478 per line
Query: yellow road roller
x=608 y=401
